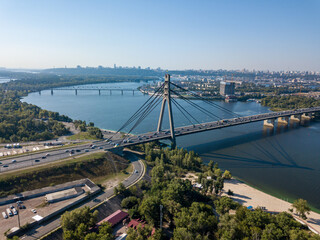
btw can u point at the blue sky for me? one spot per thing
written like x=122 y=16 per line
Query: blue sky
x=188 y=34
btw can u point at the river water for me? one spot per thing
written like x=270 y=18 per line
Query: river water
x=284 y=163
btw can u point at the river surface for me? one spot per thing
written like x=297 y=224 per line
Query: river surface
x=284 y=163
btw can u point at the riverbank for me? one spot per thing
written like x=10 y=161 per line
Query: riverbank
x=249 y=196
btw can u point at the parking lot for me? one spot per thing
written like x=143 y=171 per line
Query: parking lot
x=26 y=215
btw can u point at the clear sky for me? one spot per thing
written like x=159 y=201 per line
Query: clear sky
x=171 y=34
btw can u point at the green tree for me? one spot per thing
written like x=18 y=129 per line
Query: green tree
x=224 y=204
x=301 y=207
x=141 y=233
x=78 y=221
x=150 y=209
x=105 y=231
x=272 y=232
x=129 y=202
x=226 y=175
x=199 y=218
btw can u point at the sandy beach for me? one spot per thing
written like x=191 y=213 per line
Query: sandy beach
x=249 y=196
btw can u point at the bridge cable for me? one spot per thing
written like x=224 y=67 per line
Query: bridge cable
x=141 y=109
x=203 y=110
x=207 y=101
x=181 y=108
x=136 y=114
x=150 y=108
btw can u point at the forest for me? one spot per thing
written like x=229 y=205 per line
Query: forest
x=21 y=121
x=289 y=102
x=188 y=212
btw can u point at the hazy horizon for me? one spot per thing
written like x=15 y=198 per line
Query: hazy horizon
x=180 y=35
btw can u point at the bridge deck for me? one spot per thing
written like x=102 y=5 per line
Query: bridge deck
x=190 y=129
x=106 y=89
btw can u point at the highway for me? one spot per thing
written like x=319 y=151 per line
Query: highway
x=40 y=158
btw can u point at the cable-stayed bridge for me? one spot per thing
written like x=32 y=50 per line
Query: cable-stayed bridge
x=166 y=95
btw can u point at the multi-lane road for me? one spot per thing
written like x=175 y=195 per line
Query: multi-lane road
x=53 y=155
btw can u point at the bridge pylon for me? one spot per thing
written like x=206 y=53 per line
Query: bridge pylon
x=167 y=99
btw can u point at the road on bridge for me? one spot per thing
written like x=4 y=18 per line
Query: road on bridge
x=54 y=155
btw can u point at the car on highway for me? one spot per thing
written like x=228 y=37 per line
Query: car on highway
x=33 y=210
x=87 y=150
x=0 y=163
x=78 y=150
x=37 y=160
x=5 y=166
x=13 y=161
x=136 y=171
x=43 y=157
x=67 y=151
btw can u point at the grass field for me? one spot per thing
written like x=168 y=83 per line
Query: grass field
x=82 y=136
x=97 y=167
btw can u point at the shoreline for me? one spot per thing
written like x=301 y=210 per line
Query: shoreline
x=247 y=195
x=289 y=200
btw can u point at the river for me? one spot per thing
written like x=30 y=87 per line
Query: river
x=284 y=163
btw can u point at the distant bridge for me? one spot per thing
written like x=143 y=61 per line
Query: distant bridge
x=98 y=90
x=163 y=94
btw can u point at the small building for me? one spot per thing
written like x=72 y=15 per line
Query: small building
x=63 y=195
x=134 y=223
x=114 y=218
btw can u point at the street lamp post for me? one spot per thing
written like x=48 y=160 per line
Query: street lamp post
x=18 y=215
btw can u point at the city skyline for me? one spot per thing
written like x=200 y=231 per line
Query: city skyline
x=269 y=35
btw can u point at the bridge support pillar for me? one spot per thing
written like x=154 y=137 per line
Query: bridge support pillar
x=167 y=99
x=39 y=92
x=121 y=92
x=76 y=92
x=99 y=92
x=269 y=123
x=51 y=91
x=296 y=118
x=110 y=92
x=283 y=120
x=133 y=92
x=306 y=116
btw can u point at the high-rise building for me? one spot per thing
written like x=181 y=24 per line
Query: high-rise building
x=227 y=88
